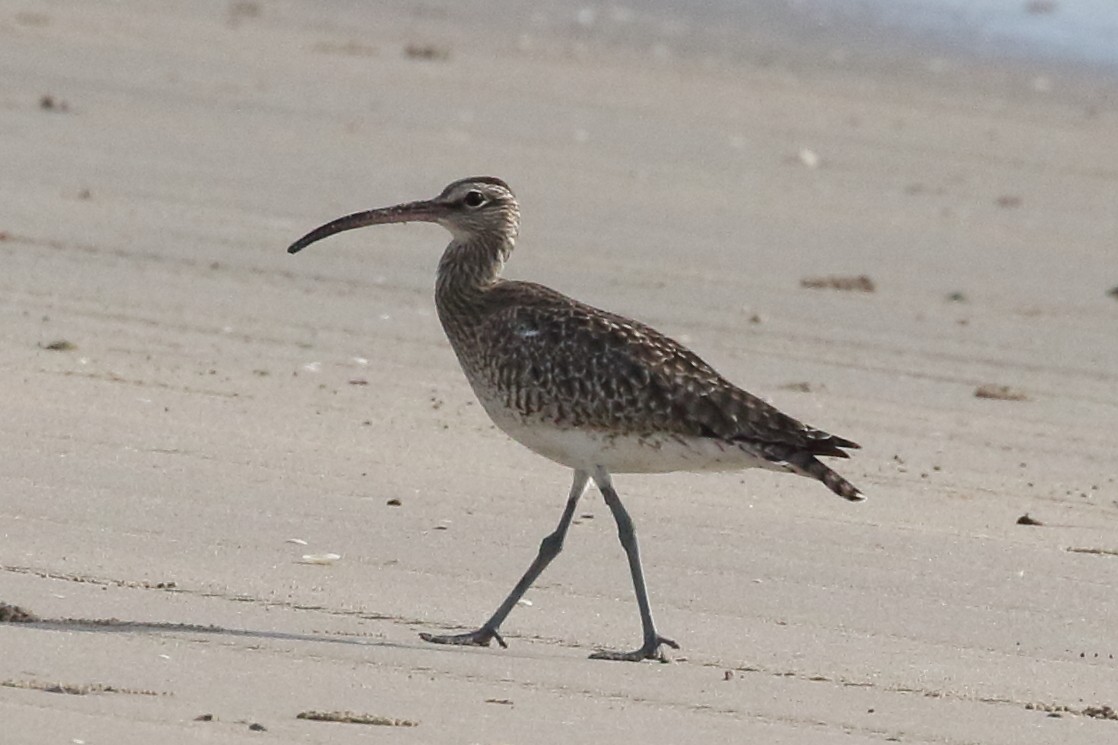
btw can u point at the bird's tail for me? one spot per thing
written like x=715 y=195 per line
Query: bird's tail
x=807 y=464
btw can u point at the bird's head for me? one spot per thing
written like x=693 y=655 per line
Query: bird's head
x=480 y=208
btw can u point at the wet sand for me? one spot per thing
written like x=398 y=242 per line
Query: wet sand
x=215 y=398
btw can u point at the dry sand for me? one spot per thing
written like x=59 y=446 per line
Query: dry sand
x=213 y=405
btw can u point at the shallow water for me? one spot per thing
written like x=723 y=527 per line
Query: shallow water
x=1074 y=31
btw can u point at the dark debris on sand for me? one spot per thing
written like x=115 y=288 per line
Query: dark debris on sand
x=860 y=283
x=15 y=614
x=348 y=717
x=1000 y=393
x=431 y=52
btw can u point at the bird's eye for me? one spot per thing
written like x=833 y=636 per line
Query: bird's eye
x=474 y=199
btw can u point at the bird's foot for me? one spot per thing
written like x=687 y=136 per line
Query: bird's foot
x=650 y=651
x=479 y=638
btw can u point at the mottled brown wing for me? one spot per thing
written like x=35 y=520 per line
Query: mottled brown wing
x=554 y=357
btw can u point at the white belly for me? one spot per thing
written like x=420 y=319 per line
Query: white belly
x=627 y=453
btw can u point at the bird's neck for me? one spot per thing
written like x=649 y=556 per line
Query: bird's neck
x=468 y=269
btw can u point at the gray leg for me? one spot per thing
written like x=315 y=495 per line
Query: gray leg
x=549 y=549
x=650 y=649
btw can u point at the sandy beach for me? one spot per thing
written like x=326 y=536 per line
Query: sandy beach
x=189 y=411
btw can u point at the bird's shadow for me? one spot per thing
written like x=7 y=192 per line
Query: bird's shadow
x=27 y=619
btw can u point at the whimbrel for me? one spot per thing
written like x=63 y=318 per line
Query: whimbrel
x=591 y=390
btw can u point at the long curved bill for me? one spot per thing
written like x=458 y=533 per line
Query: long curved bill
x=425 y=211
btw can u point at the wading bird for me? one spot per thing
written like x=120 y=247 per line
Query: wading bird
x=591 y=390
